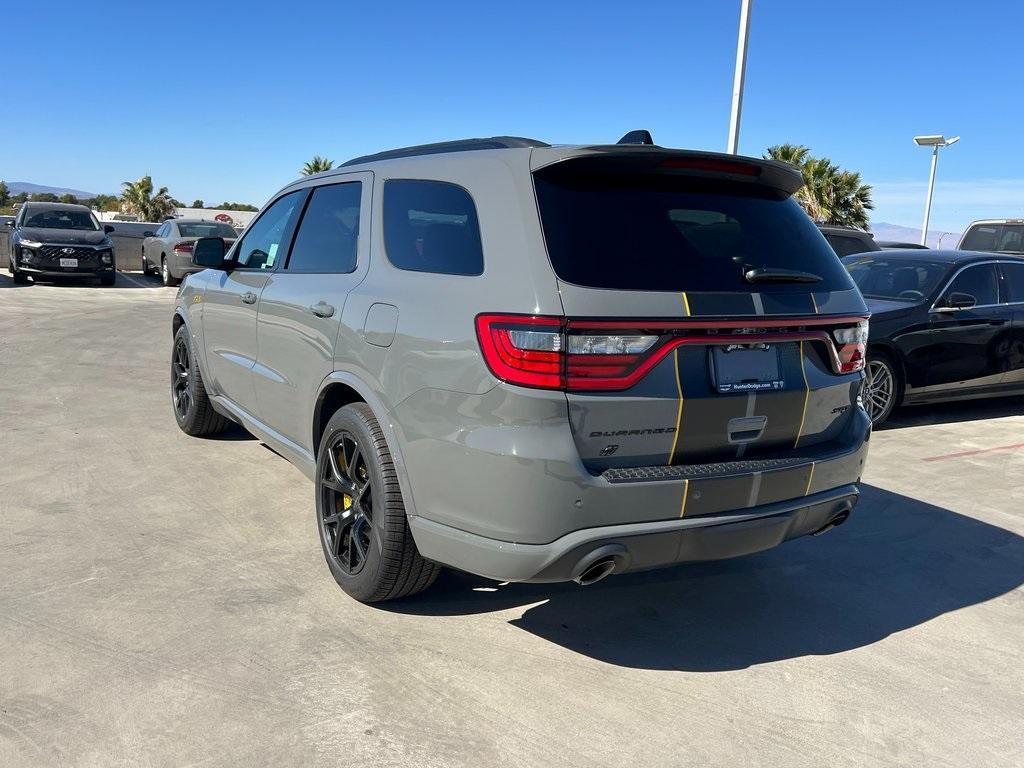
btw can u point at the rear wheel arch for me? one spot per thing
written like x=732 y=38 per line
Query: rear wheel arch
x=334 y=396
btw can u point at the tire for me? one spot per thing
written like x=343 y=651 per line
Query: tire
x=192 y=407
x=146 y=269
x=108 y=280
x=19 y=277
x=883 y=386
x=360 y=514
x=165 y=274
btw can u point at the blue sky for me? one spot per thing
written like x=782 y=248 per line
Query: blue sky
x=225 y=101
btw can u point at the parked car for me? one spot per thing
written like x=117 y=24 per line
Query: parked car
x=896 y=245
x=994 y=236
x=847 y=240
x=945 y=325
x=168 y=250
x=535 y=363
x=53 y=239
x=127 y=237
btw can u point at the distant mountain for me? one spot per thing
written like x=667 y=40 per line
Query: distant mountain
x=884 y=231
x=17 y=187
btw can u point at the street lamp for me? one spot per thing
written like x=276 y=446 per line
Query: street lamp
x=738 y=77
x=936 y=143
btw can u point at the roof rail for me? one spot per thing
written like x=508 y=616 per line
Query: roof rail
x=462 y=145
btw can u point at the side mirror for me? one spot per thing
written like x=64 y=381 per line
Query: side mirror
x=958 y=300
x=149 y=233
x=208 y=252
x=108 y=228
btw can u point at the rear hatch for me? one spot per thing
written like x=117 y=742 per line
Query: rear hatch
x=707 y=319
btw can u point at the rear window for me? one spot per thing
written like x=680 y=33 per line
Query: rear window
x=431 y=226
x=996 y=238
x=896 y=279
x=210 y=229
x=659 y=232
x=844 y=245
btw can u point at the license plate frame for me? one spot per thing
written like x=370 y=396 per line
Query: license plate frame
x=69 y=263
x=747 y=368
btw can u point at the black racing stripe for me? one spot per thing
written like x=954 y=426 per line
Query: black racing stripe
x=783 y=485
x=788 y=303
x=703 y=429
x=717 y=304
x=721 y=494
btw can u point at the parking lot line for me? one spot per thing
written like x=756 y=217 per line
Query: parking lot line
x=961 y=454
x=134 y=281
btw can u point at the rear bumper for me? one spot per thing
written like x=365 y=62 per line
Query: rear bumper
x=638 y=546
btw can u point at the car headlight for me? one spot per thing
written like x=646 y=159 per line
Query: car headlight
x=31 y=244
x=26 y=254
x=106 y=257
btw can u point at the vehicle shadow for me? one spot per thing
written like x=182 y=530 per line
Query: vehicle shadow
x=954 y=412
x=134 y=280
x=7 y=282
x=898 y=563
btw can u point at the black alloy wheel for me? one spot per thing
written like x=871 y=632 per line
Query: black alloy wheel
x=346 y=511
x=182 y=393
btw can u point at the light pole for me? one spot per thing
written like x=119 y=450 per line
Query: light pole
x=737 y=81
x=936 y=143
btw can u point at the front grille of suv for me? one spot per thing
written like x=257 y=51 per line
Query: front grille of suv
x=50 y=256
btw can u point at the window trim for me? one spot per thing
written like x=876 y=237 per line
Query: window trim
x=934 y=308
x=288 y=235
x=383 y=228
x=286 y=263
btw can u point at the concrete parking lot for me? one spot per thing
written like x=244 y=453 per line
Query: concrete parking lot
x=163 y=602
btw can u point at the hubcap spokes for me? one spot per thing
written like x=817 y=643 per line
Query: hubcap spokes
x=879 y=390
x=181 y=378
x=347 y=504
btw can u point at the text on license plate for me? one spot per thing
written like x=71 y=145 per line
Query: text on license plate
x=69 y=262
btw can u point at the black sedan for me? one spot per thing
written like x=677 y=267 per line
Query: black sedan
x=945 y=325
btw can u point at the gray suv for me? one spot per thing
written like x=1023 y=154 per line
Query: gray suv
x=533 y=362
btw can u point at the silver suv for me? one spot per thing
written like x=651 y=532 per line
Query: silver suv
x=534 y=362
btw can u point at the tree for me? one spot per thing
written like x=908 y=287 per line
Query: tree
x=138 y=198
x=830 y=195
x=317 y=165
x=235 y=207
x=106 y=203
x=68 y=198
x=5 y=195
x=45 y=197
x=197 y=204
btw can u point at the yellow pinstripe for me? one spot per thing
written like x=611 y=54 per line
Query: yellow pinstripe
x=686 y=493
x=686 y=305
x=810 y=477
x=679 y=411
x=807 y=396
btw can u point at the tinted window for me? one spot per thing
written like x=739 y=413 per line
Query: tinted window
x=206 y=229
x=657 y=231
x=61 y=220
x=431 y=226
x=1013 y=276
x=980 y=282
x=997 y=238
x=261 y=246
x=329 y=231
x=897 y=279
x=844 y=246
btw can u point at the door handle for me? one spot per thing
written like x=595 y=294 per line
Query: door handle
x=322 y=309
x=249 y=297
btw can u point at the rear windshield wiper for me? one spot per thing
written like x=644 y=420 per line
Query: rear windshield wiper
x=774 y=275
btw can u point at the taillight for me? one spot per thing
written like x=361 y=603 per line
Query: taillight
x=183 y=248
x=522 y=350
x=852 y=346
x=538 y=352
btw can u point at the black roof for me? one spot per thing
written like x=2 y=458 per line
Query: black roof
x=461 y=145
x=920 y=254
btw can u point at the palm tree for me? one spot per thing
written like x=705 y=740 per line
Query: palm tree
x=829 y=195
x=317 y=165
x=138 y=198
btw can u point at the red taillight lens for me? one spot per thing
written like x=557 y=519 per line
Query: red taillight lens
x=537 y=352
x=852 y=347
x=522 y=350
x=183 y=248
x=712 y=165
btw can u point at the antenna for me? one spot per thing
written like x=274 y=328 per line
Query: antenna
x=637 y=137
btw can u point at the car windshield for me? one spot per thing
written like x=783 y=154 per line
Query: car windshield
x=996 y=238
x=664 y=232
x=58 y=219
x=908 y=280
x=206 y=229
